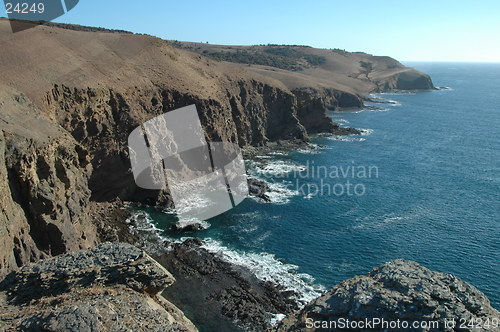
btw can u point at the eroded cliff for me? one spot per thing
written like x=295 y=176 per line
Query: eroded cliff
x=69 y=98
x=44 y=177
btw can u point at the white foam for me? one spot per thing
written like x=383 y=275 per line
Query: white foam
x=280 y=167
x=151 y=238
x=312 y=149
x=382 y=98
x=272 y=168
x=278 y=153
x=393 y=102
x=266 y=267
x=193 y=221
x=280 y=193
x=342 y=121
x=263 y=157
x=365 y=132
x=192 y=199
x=444 y=88
x=308 y=151
x=349 y=111
x=346 y=138
x=141 y=221
x=377 y=109
x=276 y=318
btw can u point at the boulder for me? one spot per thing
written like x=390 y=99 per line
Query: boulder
x=402 y=291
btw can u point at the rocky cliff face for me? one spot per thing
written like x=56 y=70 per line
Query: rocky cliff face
x=254 y=113
x=113 y=287
x=69 y=99
x=67 y=108
x=313 y=105
x=44 y=177
x=399 y=290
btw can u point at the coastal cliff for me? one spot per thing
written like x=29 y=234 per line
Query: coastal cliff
x=69 y=97
x=338 y=75
x=44 y=177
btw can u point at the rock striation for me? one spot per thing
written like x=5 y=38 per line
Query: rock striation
x=44 y=174
x=398 y=290
x=113 y=287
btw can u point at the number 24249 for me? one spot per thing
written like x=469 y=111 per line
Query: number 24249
x=24 y=8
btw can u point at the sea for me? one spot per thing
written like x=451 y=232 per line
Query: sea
x=421 y=183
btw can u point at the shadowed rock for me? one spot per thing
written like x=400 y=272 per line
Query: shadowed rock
x=220 y=296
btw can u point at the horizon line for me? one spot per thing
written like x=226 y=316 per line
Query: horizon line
x=277 y=44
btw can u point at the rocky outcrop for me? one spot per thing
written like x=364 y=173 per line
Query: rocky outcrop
x=312 y=111
x=409 y=79
x=113 y=287
x=186 y=226
x=259 y=189
x=398 y=290
x=335 y=100
x=220 y=296
x=313 y=105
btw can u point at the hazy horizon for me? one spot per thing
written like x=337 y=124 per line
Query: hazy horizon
x=428 y=32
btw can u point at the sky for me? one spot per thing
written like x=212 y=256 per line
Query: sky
x=438 y=30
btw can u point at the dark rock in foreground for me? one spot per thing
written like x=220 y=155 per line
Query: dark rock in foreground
x=113 y=287
x=116 y=287
x=398 y=290
x=220 y=296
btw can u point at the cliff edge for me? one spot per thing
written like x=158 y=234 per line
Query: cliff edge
x=113 y=287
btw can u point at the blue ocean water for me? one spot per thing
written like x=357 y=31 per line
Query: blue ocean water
x=433 y=194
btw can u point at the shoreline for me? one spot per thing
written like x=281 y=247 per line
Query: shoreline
x=275 y=287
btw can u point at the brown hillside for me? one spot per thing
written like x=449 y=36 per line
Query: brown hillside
x=304 y=67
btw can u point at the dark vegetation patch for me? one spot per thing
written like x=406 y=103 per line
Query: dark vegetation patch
x=288 y=57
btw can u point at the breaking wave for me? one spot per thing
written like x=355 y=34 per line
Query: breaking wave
x=346 y=138
x=267 y=267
